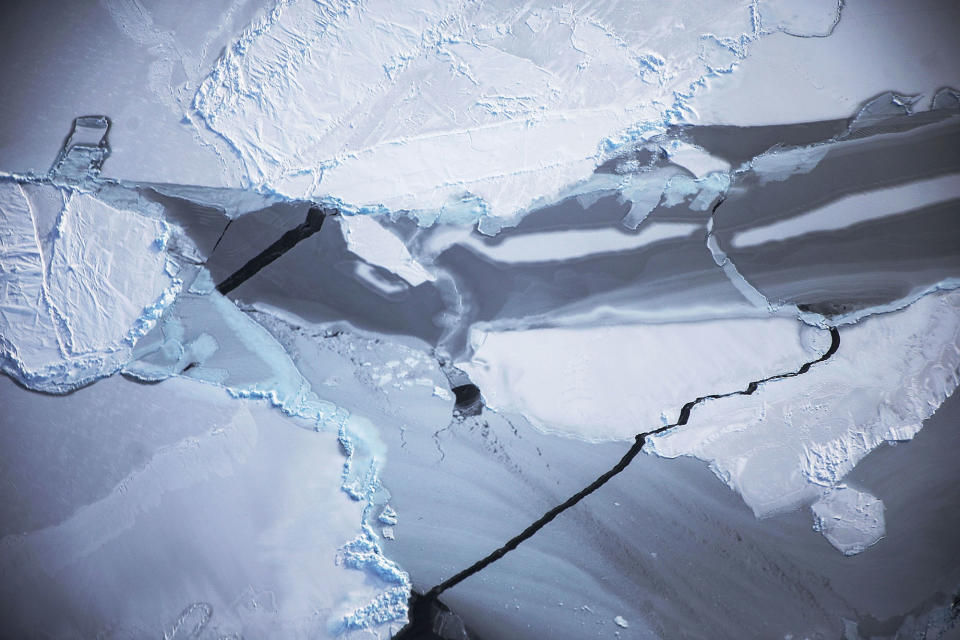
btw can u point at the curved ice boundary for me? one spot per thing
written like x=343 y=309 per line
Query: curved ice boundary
x=80 y=283
x=466 y=112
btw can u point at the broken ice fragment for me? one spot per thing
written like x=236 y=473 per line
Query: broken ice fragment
x=851 y=520
x=388 y=515
x=620 y=622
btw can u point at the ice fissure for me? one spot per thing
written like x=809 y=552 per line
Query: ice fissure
x=310 y=226
x=621 y=465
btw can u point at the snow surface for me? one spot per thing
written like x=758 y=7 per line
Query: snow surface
x=236 y=513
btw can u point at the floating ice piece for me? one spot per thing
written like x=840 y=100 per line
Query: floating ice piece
x=620 y=622
x=777 y=166
x=81 y=283
x=879 y=109
x=695 y=159
x=369 y=240
x=946 y=98
x=851 y=520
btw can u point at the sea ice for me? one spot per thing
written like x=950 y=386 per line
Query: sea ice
x=796 y=438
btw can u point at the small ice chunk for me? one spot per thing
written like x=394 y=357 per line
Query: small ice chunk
x=620 y=622
x=387 y=533
x=946 y=98
x=849 y=519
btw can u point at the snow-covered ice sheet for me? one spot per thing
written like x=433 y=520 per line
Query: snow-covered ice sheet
x=459 y=110
x=546 y=228
x=229 y=507
x=615 y=382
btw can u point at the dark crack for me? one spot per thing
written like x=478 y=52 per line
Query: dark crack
x=624 y=462
x=469 y=401
x=310 y=226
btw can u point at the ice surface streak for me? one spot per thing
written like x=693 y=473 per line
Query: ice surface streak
x=624 y=462
x=287 y=241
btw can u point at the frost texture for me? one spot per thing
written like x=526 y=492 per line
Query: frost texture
x=79 y=285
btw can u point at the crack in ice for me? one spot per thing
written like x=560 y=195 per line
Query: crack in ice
x=624 y=462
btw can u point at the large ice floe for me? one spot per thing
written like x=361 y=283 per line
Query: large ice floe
x=420 y=320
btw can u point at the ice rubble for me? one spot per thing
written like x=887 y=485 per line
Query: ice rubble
x=81 y=283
